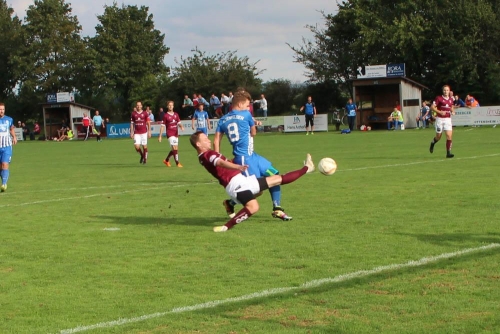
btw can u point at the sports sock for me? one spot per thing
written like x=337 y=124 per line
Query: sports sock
x=139 y=151
x=241 y=216
x=448 y=145
x=292 y=176
x=418 y=124
x=5 y=176
x=169 y=155
x=275 y=195
x=233 y=203
x=176 y=156
x=434 y=140
x=145 y=153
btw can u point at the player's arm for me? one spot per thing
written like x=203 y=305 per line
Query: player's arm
x=253 y=130
x=230 y=165
x=132 y=129
x=161 y=131
x=180 y=125
x=436 y=110
x=301 y=108
x=192 y=123
x=209 y=125
x=148 y=124
x=452 y=111
x=314 y=108
x=13 y=134
x=217 y=141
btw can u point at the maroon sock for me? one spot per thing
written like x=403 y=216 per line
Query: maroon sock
x=169 y=155
x=139 y=151
x=448 y=145
x=241 y=216
x=145 y=153
x=176 y=156
x=292 y=176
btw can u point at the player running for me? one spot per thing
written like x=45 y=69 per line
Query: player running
x=140 y=131
x=239 y=127
x=7 y=139
x=443 y=108
x=202 y=120
x=172 y=122
x=240 y=188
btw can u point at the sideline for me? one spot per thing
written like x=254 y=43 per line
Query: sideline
x=271 y=292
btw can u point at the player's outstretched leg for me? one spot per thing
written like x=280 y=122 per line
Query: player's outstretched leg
x=229 y=206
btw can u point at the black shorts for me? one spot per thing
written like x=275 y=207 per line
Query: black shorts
x=309 y=120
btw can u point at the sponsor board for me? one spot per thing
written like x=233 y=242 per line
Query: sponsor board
x=19 y=133
x=297 y=123
x=476 y=116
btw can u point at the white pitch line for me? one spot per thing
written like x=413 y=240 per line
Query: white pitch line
x=418 y=163
x=276 y=291
x=90 y=196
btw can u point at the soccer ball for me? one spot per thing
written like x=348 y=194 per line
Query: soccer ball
x=327 y=166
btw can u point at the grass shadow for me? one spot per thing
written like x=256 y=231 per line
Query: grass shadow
x=454 y=239
x=162 y=220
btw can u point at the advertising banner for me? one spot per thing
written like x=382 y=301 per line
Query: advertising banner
x=476 y=116
x=19 y=133
x=297 y=123
x=381 y=71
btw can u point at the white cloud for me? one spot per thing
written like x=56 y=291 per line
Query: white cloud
x=258 y=29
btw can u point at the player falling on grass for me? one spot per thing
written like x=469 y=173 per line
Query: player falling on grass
x=240 y=188
x=140 y=131
x=239 y=127
x=7 y=139
x=172 y=122
x=443 y=108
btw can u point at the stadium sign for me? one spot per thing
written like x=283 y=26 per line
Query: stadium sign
x=381 y=71
x=476 y=116
x=297 y=123
x=62 y=97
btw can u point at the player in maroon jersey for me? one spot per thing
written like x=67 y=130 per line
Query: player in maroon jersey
x=242 y=189
x=140 y=131
x=172 y=122
x=443 y=107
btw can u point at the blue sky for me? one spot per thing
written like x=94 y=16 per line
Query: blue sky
x=258 y=29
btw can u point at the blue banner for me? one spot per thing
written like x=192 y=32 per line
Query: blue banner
x=396 y=70
x=121 y=130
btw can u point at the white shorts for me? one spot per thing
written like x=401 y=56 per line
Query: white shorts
x=443 y=124
x=141 y=139
x=240 y=183
x=174 y=141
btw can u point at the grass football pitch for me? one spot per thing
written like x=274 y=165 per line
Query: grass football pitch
x=398 y=240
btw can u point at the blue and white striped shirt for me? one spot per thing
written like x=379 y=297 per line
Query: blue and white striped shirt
x=6 y=123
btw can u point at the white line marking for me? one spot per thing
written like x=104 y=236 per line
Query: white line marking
x=276 y=291
x=418 y=163
x=89 y=188
x=93 y=195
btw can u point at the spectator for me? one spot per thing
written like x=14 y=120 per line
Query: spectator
x=471 y=102
x=150 y=114
x=425 y=115
x=262 y=111
x=230 y=97
x=61 y=131
x=67 y=134
x=309 y=111
x=201 y=99
x=98 y=124
x=458 y=102
x=19 y=125
x=396 y=117
x=216 y=105
x=161 y=114
x=36 y=131
x=351 y=109
x=187 y=106
x=225 y=103
x=26 y=130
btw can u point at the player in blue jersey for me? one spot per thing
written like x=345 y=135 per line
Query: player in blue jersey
x=7 y=139
x=202 y=120
x=239 y=127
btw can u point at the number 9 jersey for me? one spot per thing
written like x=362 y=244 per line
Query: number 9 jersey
x=236 y=126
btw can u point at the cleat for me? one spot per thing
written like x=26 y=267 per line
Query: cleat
x=307 y=133
x=309 y=163
x=312 y=132
x=3 y=187
x=431 y=148
x=166 y=163
x=142 y=159
x=449 y=155
x=280 y=214
x=222 y=228
x=180 y=165
x=229 y=208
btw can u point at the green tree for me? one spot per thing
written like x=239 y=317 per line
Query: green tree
x=10 y=40
x=129 y=53
x=453 y=42
x=217 y=73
